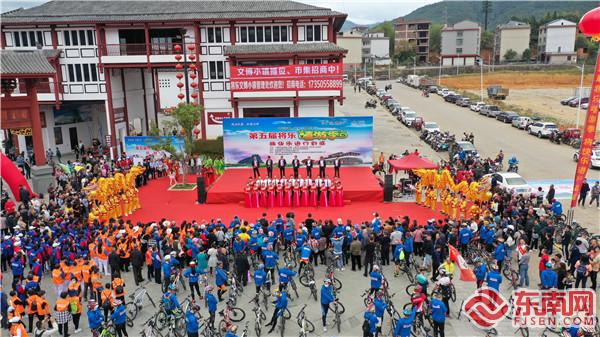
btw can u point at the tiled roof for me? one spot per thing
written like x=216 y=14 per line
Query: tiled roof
x=135 y=11
x=299 y=48
x=514 y=24
x=25 y=62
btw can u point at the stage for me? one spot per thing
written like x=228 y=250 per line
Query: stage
x=359 y=184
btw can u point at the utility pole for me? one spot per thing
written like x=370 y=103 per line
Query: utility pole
x=440 y=73
x=480 y=79
x=414 y=65
x=486 y=7
x=580 y=94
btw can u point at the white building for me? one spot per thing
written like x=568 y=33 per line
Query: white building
x=460 y=43
x=556 y=42
x=376 y=48
x=513 y=35
x=116 y=73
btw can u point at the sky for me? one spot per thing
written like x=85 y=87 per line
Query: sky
x=359 y=11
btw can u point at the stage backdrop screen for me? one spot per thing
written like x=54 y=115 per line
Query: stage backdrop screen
x=143 y=146
x=347 y=138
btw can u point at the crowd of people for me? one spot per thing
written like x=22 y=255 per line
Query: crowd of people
x=85 y=257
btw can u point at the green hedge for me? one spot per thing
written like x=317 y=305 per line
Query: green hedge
x=210 y=147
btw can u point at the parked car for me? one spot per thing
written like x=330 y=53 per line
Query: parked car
x=542 y=129
x=408 y=117
x=595 y=160
x=468 y=147
x=452 y=98
x=400 y=80
x=574 y=103
x=444 y=94
x=432 y=89
x=390 y=102
x=490 y=110
x=511 y=181
x=431 y=127
x=442 y=91
x=531 y=121
x=584 y=105
x=463 y=101
x=380 y=92
x=507 y=116
x=520 y=122
x=565 y=101
x=477 y=106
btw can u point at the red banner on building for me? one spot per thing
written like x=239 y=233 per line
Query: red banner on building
x=216 y=118
x=288 y=77
x=587 y=138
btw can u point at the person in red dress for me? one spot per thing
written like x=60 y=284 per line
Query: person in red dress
x=249 y=193
x=340 y=194
x=288 y=195
x=256 y=200
x=279 y=195
x=313 y=194
x=297 y=194
x=263 y=194
x=271 y=195
x=323 y=202
x=305 y=195
x=332 y=194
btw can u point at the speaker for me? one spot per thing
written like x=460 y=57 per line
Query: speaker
x=201 y=188
x=388 y=188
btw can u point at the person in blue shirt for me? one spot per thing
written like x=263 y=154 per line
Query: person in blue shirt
x=480 y=272
x=464 y=237
x=573 y=330
x=549 y=277
x=156 y=265
x=211 y=304
x=376 y=279
x=500 y=253
x=119 y=317
x=404 y=324
x=95 y=316
x=300 y=239
x=438 y=314
x=288 y=236
x=398 y=251
x=270 y=258
x=556 y=207
x=231 y=332
x=259 y=277
x=281 y=304
x=337 y=243
x=326 y=298
x=191 y=321
x=17 y=269
x=221 y=280
x=408 y=247
x=285 y=274
x=193 y=274
x=316 y=233
x=305 y=253
x=370 y=325
x=380 y=306
x=494 y=279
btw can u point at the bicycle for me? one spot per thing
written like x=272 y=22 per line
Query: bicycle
x=423 y=316
x=308 y=274
x=294 y=287
x=282 y=323
x=174 y=322
x=108 y=330
x=230 y=314
x=338 y=309
x=330 y=274
x=313 y=289
x=137 y=302
x=394 y=317
x=305 y=325
x=150 y=328
x=208 y=330
x=259 y=315
x=245 y=331
x=290 y=258
x=177 y=278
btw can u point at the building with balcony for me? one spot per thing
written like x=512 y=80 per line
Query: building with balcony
x=376 y=49
x=352 y=42
x=513 y=35
x=556 y=42
x=460 y=44
x=413 y=35
x=115 y=64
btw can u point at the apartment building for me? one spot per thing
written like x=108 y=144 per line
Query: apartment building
x=460 y=43
x=556 y=42
x=413 y=34
x=513 y=35
x=116 y=73
x=376 y=49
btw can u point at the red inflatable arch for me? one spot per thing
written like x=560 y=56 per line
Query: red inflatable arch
x=13 y=176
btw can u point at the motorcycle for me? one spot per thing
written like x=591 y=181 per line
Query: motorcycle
x=555 y=137
x=371 y=104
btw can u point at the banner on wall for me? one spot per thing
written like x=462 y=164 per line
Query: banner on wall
x=587 y=138
x=300 y=77
x=216 y=118
x=347 y=138
x=143 y=146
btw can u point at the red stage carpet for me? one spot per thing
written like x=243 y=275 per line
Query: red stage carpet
x=359 y=184
x=158 y=202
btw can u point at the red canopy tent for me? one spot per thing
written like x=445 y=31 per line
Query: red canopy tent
x=411 y=162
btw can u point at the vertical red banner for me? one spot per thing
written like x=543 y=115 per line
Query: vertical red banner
x=589 y=133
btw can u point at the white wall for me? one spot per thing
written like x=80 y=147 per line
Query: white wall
x=380 y=47
x=313 y=108
x=515 y=39
x=563 y=37
x=266 y=104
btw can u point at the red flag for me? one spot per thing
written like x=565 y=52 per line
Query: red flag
x=466 y=274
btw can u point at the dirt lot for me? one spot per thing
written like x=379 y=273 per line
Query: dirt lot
x=531 y=93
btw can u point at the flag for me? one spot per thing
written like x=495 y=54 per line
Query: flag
x=65 y=168
x=466 y=274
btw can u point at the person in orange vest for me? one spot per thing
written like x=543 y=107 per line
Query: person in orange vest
x=43 y=306
x=106 y=296
x=75 y=303
x=17 y=328
x=16 y=303
x=86 y=268
x=96 y=280
x=118 y=286
x=62 y=313
x=148 y=257
x=124 y=253
x=58 y=279
x=33 y=302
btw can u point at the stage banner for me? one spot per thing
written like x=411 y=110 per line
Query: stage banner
x=347 y=138
x=288 y=77
x=143 y=146
x=587 y=138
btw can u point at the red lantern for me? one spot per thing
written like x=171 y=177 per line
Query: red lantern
x=177 y=48
x=194 y=95
x=178 y=57
x=192 y=66
x=179 y=66
x=590 y=24
x=191 y=47
x=181 y=96
x=192 y=57
x=196 y=131
x=193 y=76
x=194 y=85
x=179 y=76
x=179 y=85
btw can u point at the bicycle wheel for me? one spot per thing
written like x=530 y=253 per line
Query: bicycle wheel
x=453 y=293
x=410 y=289
x=338 y=321
x=341 y=308
x=367 y=301
x=492 y=332
x=222 y=326
x=236 y=314
x=282 y=327
x=161 y=321
x=257 y=329
x=287 y=314
x=308 y=326
x=337 y=284
x=180 y=327
x=132 y=311
x=313 y=292
x=304 y=280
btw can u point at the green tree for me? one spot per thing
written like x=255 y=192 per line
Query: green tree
x=510 y=55
x=435 y=38
x=526 y=55
x=487 y=40
x=154 y=130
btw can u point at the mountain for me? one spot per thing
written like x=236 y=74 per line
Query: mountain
x=347 y=26
x=451 y=12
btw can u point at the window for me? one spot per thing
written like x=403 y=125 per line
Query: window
x=459 y=34
x=17 y=39
x=218 y=35
x=259 y=34
x=313 y=33
x=276 y=34
x=309 y=33
x=243 y=33
x=82 y=37
x=251 y=34
x=284 y=34
x=459 y=50
x=211 y=35
x=212 y=70
x=24 y=39
x=94 y=72
x=90 y=37
x=82 y=73
x=268 y=36
x=58 y=139
x=220 y=70
x=67 y=38
x=86 y=72
x=78 y=72
x=32 y=39
x=71 y=73
x=28 y=39
x=74 y=38
x=459 y=42
x=317 y=31
x=216 y=70
x=215 y=34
